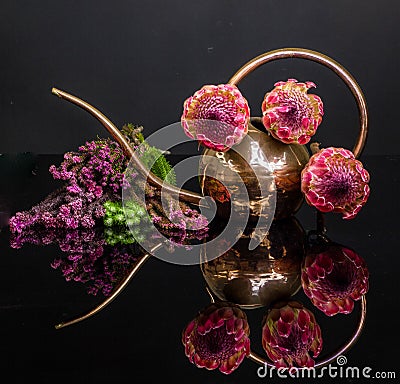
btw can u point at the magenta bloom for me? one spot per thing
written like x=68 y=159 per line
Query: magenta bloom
x=289 y=332
x=334 y=181
x=333 y=277
x=218 y=337
x=217 y=116
x=290 y=114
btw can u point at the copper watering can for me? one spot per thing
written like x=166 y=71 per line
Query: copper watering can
x=286 y=176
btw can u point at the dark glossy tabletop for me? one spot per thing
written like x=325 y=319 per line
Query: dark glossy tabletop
x=137 y=337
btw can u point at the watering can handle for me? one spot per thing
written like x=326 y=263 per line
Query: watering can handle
x=301 y=53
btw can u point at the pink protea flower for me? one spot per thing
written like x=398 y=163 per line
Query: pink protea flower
x=289 y=332
x=334 y=181
x=217 y=116
x=333 y=276
x=290 y=114
x=218 y=337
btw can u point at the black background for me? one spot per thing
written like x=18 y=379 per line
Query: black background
x=137 y=61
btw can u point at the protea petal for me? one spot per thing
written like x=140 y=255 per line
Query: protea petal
x=283 y=328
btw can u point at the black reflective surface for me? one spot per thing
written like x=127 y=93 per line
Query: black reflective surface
x=137 y=338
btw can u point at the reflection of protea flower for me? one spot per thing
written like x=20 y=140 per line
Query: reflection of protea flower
x=289 y=332
x=217 y=116
x=290 y=114
x=218 y=337
x=333 y=277
x=334 y=181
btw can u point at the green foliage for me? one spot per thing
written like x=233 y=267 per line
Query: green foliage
x=119 y=235
x=126 y=224
x=153 y=157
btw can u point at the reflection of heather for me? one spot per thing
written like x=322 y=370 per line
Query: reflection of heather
x=87 y=258
x=181 y=237
x=100 y=257
x=85 y=240
x=100 y=272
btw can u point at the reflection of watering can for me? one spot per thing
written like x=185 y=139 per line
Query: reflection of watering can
x=288 y=159
x=269 y=273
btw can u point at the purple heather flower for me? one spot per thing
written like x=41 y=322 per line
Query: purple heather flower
x=217 y=116
x=218 y=337
x=334 y=181
x=333 y=277
x=289 y=332
x=290 y=114
x=74 y=189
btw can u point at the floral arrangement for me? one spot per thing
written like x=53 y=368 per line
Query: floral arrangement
x=333 y=276
x=89 y=222
x=85 y=216
x=333 y=180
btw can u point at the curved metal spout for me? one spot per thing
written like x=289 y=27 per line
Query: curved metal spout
x=186 y=196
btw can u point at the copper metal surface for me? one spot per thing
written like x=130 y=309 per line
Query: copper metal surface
x=261 y=160
x=252 y=279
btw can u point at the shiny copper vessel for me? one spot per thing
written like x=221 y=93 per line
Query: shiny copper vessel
x=270 y=272
x=262 y=159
